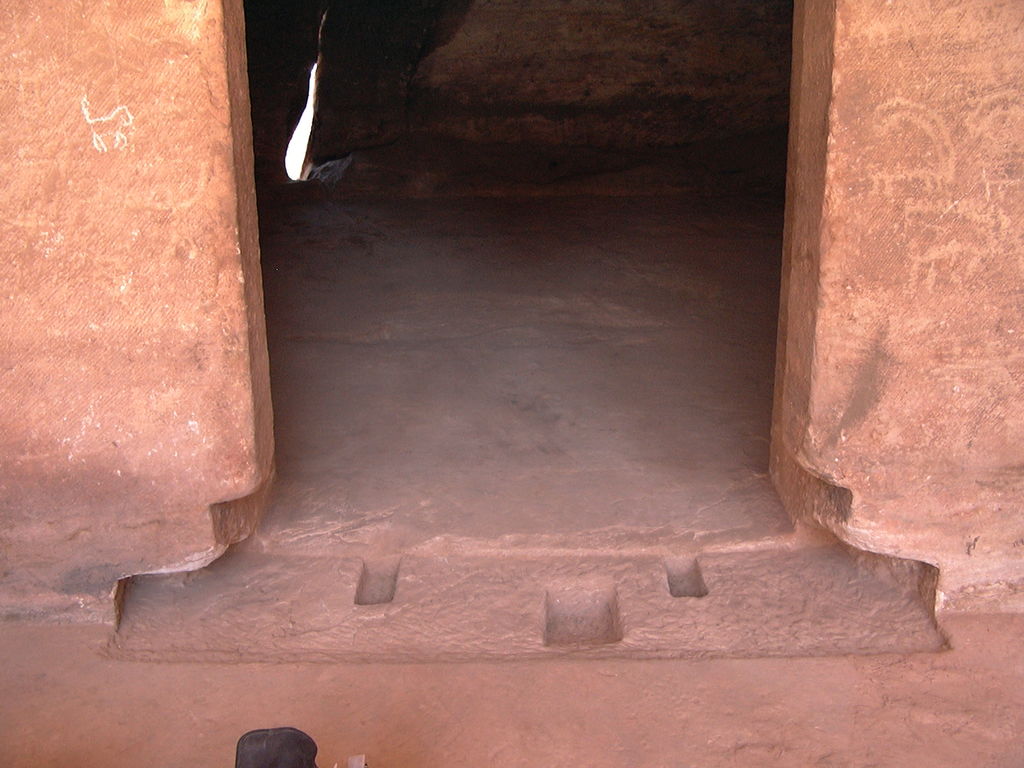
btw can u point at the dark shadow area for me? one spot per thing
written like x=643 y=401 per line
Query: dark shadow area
x=605 y=86
x=532 y=290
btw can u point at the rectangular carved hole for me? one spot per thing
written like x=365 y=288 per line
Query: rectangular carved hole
x=378 y=581
x=685 y=578
x=581 y=616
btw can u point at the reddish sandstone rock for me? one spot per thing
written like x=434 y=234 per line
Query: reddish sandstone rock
x=898 y=400
x=133 y=396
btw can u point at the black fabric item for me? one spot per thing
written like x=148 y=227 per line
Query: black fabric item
x=275 y=748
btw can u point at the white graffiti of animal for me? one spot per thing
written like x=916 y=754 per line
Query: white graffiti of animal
x=110 y=130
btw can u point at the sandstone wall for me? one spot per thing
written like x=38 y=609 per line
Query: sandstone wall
x=605 y=73
x=609 y=72
x=134 y=398
x=899 y=416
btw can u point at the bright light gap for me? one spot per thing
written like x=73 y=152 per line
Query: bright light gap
x=295 y=157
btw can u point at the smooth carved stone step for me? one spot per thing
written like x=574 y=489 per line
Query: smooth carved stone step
x=250 y=606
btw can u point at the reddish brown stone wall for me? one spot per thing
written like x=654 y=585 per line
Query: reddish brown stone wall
x=608 y=73
x=133 y=379
x=577 y=73
x=899 y=401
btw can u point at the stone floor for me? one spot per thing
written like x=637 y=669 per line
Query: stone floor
x=518 y=427
x=575 y=373
x=64 y=703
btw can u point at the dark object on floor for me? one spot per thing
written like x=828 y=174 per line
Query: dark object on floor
x=275 y=748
